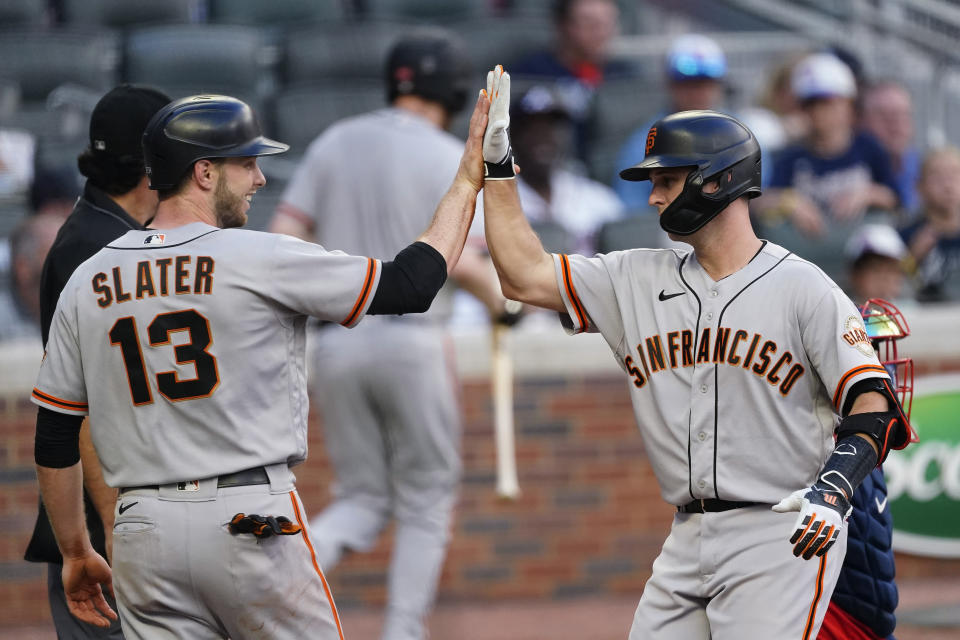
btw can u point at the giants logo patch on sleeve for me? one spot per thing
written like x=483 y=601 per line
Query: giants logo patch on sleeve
x=855 y=335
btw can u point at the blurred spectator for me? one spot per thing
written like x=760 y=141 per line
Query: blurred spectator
x=54 y=191
x=778 y=98
x=578 y=62
x=876 y=255
x=20 y=308
x=934 y=239
x=549 y=192
x=836 y=174
x=17 y=150
x=695 y=68
x=887 y=113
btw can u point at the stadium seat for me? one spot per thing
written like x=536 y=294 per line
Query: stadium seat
x=277 y=12
x=424 y=10
x=29 y=13
x=492 y=41
x=125 y=13
x=229 y=59
x=620 y=107
x=41 y=60
x=338 y=52
x=640 y=231
x=301 y=113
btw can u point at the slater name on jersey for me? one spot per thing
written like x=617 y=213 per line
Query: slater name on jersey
x=161 y=277
x=724 y=346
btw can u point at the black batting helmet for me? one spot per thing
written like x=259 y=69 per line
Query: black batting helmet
x=200 y=127
x=718 y=148
x=429 y=63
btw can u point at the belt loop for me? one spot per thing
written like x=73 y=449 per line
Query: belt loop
x=281 y=477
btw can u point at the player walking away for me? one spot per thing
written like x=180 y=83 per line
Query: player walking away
x=741 y=357
x=116 y=198
x=185 y=344
x=387 y=390
x=864 y=601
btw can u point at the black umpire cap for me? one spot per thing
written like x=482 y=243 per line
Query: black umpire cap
x=118 y=120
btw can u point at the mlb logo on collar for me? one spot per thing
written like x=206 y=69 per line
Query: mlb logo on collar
x=155 y=238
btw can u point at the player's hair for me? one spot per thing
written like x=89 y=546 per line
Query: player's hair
x=166 y=194
x=114 y=175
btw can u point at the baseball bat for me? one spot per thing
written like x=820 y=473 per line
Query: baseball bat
x=501 y=383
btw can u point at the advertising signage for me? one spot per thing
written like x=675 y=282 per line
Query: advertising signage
x=923 y=480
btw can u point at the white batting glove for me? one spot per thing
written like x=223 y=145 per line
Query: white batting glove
x=822 y=515
x=497 y=153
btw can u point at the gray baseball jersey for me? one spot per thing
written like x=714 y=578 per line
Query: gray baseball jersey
x=737 y=383
x=203 y=329
x=371 y=183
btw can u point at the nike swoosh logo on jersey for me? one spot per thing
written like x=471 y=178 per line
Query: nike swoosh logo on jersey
x=881 y=505
x=666 y=296
x=124 y=507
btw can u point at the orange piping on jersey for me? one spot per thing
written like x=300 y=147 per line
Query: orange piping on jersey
x=816 y=597
x=845 y=378
x=572 y=293
x=316 y=565
x=364 y=293
x=57 y=402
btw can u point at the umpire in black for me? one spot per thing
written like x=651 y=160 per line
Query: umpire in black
x=116 y=198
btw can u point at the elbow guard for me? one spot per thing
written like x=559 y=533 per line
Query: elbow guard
x=888 y=429
x=410 y=282
x=57 y=443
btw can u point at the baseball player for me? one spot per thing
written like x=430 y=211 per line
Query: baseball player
x=741 y=359
x=393 y=438
x=185 y=344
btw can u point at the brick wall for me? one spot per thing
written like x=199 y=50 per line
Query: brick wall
x=589 y=521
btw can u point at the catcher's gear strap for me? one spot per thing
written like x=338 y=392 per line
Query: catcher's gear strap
x=57 y=443
x=410 y=282
x=851 y=461
x=263 y=526
x=889 y=429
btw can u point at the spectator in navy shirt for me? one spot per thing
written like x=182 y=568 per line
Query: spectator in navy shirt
x=836 y=174
x=934 y=240
x=887 y=114
x=578 y=63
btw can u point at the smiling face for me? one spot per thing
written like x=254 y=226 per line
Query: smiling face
x=238 y=180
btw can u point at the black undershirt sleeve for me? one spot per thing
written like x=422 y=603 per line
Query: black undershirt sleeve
x=410 y=282
x=57 y=443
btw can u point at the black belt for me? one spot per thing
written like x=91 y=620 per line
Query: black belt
x=256 y=475
x=710 y=505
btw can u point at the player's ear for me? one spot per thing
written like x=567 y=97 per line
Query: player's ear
x=206 y=172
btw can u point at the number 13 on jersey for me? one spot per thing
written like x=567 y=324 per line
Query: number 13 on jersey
x=124 y=334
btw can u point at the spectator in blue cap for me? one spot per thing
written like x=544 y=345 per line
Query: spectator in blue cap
x=695 y=69
x=833 y=177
